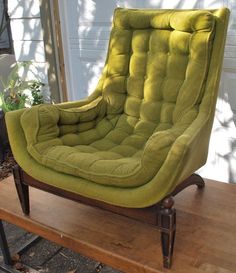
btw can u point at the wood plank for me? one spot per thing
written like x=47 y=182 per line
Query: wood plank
x=51 y=50
x=205 y=241
x=60 y=50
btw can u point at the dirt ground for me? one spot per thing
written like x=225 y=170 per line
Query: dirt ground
x=6 y=166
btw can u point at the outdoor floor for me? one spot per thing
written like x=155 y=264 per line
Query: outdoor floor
x=44 y=256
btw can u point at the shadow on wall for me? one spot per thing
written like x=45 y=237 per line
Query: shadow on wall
x=224 y=133
x=221 y=163
x=27 y=35
x=88 y=43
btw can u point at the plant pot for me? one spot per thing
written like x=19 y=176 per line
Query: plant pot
x=6 y=63
x=4 y=142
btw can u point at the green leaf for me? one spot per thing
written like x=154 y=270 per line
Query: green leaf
x=13 y=97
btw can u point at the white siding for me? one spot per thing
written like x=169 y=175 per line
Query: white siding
x=221 y=164
x=23 y=9
x=27 y=29
x=27 y=36
x=29 y=50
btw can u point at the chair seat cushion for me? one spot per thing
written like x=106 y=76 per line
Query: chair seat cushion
x=120 y=155
x=101 y=166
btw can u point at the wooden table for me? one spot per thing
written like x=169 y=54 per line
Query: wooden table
x=205 y=240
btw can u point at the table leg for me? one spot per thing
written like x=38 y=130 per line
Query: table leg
x=4 y=246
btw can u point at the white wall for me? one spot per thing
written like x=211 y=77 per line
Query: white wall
x=27 y=37
x=221 y=164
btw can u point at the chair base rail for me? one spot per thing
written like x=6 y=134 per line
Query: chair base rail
x=162 y=214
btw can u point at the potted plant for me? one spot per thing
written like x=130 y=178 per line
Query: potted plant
x=17 y=93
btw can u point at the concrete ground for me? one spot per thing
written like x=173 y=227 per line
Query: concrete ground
x=48 y=257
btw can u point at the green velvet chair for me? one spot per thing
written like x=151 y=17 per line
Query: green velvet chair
x=138 y=139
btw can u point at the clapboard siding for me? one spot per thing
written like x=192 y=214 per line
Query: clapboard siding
x=28 y=29
x=29 y=51
x=36 y=71
x=27 y=35
x=23 y=9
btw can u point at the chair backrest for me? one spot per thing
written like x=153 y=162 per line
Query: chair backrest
x=158 y=62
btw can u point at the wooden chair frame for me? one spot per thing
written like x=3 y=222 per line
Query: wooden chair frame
x=162 y=214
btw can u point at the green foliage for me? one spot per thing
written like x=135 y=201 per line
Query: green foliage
x=36 y=92
x=13 y=95
x=12 y=101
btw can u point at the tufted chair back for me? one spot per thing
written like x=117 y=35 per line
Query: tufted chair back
x=155 y=60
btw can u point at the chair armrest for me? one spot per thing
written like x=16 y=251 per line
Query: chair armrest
x=189 y=151
x=79 y=103
x=186 y=143
x=192 y=146
x=43 y=122
x=84 y=113
x=159 y=144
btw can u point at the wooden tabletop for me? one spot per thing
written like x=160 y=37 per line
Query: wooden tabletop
x=205 y=239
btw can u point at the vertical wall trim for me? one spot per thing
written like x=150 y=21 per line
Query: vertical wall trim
x=58 y=40
x=50 y=54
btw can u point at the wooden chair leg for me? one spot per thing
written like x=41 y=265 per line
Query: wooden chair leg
x=168 y=228
x=22 y=190
x=194 y=179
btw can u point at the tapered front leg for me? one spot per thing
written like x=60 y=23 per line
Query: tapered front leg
x=22 y=190
x=168 y=227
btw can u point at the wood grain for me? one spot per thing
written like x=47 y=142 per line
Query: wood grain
x=205 y=239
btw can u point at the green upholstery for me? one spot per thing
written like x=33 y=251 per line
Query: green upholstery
x=147 y=125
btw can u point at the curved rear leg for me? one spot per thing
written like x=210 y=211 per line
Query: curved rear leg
x=194 y=179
